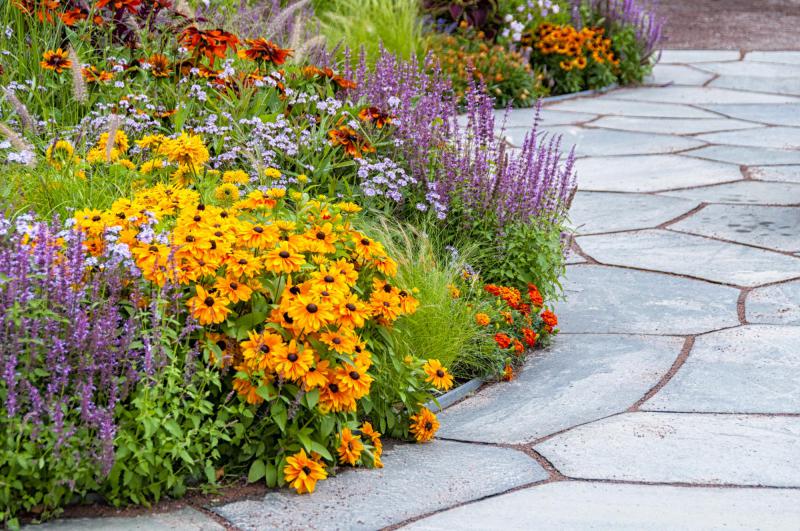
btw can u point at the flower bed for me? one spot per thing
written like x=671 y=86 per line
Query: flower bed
x=221 y=256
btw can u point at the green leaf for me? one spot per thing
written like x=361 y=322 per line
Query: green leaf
x=279 y=415
x=321 y=450
x=257 y=471
x=272 y=475
x=312 y=398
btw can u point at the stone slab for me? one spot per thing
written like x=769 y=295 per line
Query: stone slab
x=579 y=379
x=785 y=57
x=599 y=142
x=744 y=192
x=776 y=228
x=581 y=505
x=787 y=174
x=613 y=300
x=672 y=126
x=697 y=56
x=708 y=449
x=752 y=69
x=186 y=519
x=747 y=156
x=693 y=256
x=751 y=369
x=779 y=85
x=780 y=114
x=416 y=479
x=597 y=212
x=652 y=173
x=696 y=95
x=778 y=304
x=770 y=137
x=604 y=105
x=677 y=74
x=549 y=117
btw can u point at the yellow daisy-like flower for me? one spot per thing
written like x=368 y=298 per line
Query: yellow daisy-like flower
x=349 y=208
x=438 y=375
x=283 y=259
x=226 y=192
x=207 y=307
x=276 y=193
x=302 y=473
x=260 y=350
x=121 y=142
x=59 y=152
x=185 y=150
x=272 y=173
x=127 y=164
x=235 y=177
x=424 y=425
x=151 y=141
x=292 y=362
x=350 y=447
x=56 y=60
x=310 y=314
x=151 y=166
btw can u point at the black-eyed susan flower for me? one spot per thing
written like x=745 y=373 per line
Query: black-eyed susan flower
x=310 y=313
x=302 y=473
x=317 y=375
x=354 y=379
x=263 y=51
x=235 y=177
x=233 y=289
x=208 y=307
x=56 y=60
x=293 y=361
x=284 y=259
x=438 y=375
x=226 y=192
x=185 y=150
x=424 y=425
x=350 y=447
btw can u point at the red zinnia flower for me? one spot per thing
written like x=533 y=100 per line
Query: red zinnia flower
x=550 y=320
x=502 y=340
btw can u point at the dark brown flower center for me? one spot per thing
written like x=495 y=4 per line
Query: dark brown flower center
x=292 y=357
x=197 y=219
x=259 y=230
x=440 y=373
x=350 y=306
x=364 y=241
x=288 y=319
x=333 y=388
x=209 y=301
x=312 y=308
x=320 y=235
x=284 y=254
x=264 y=349
x=354 y=375
x=428 y=425
x=306 y=470
x=234 y=285
x=337 y=341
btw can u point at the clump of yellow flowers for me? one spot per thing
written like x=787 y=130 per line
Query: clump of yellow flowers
x=292 y=301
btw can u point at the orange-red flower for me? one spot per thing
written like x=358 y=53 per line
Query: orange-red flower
x=159 y=65
x=353 y=144
x=374 y=115
x=92 y=74
x=536 y=298
x=502 y=340
x=263 y=51
x=129 y=5
x=210 y=43
x=550 y=320
x=73 y=16
x=313 y=71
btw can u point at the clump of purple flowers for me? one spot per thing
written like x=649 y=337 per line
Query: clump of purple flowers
x=67 y=355
x=469 y=166
x=638 y=14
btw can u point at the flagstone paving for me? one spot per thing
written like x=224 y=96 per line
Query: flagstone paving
x=670 y=400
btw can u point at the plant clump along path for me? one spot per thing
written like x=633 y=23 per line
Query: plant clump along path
x=671 y=400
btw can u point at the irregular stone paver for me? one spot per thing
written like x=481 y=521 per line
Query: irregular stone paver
x=613 y=300
x=781 y=85
x=775 y=228
x=596 y=142
x=580 y=505
x=186 y=519
x=778 y=304
x=747 y=192
x=651 y=173
x=696 y=95
x=678 y=74
x=676 y=126
x=579 y=379
x=549 y=117
x=781 y=114
x=752 y=369
x=694 y=256
x=681 y=448
x=752 y=68
x=771 y=137
x=788 y=174
x=698 y=56
x=630 y=108
x=596 y=212
x=786 y=57
x=416 y=479
x=747 y=156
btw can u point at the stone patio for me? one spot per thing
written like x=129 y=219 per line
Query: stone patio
x=672 y=398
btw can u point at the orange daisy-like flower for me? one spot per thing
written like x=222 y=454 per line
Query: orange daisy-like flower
x=508 y=373
x=317 y=375
x=129 y=5
x=292 y=362
x=92 y=74
x=283 y=259
x=159 y=65
x=353 y=144
x=438 y=375
x=302 y=472
x=354 y=380
x=258 y=350
x=56 y=60
x=350 y=447
x=209 y=43
x=263 y=51
x=333 y=398
x=376 y=116
x=208 y=307
x=310 y=314
x=73 y=16
x=424 y=425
